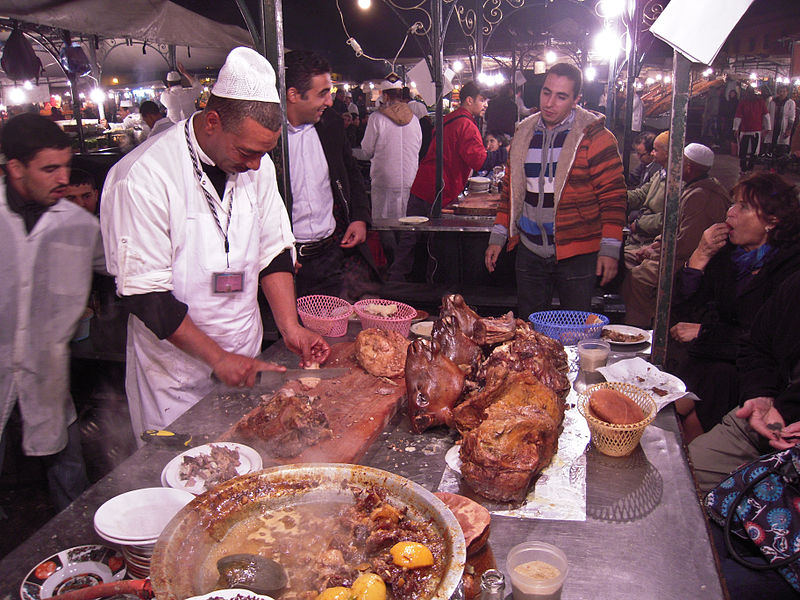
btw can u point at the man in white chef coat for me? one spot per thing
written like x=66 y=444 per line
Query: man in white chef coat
x=178 y=100
x=193 y=225
x=50 y=247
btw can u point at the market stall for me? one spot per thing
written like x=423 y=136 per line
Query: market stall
x=626 y=525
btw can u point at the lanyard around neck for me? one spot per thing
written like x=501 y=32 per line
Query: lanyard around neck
x=198 y=173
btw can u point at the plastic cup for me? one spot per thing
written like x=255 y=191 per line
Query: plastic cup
x=528 y=588
x=593 y=354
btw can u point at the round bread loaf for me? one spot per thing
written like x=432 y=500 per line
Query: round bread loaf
x=614 y=407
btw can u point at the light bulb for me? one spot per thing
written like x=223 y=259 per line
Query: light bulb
x=364 y=4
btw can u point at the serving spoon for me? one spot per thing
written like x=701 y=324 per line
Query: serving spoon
x=252 y=572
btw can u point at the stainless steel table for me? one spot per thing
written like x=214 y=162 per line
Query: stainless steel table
x=449 y=223
x=644 y=536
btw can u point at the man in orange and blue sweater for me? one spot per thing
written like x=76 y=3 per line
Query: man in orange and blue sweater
x=564 y=198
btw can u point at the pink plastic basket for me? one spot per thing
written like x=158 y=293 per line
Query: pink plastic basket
x=327 y=315
x=399 y=322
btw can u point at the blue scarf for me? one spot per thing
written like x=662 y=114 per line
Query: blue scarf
x=749 y=261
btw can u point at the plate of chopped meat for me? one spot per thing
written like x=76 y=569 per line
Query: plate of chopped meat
x=204 y=467
x=625 y=335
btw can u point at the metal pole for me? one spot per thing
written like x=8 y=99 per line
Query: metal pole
x=438 y=59
x=633 y=72
x=271 y=25
x=76 y=111
x=611 y=96
x=677 y=136
x=256 y=31
x=478 y=38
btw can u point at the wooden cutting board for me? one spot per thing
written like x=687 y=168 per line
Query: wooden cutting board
x=476 y=205
x=358 y=407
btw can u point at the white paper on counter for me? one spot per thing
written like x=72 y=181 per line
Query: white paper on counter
x=699 y=29
x=642 y=374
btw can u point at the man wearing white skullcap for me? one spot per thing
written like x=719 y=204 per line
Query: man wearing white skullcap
x=193 y=225
x=703 y=202
x=178 y=100
x=330 y=207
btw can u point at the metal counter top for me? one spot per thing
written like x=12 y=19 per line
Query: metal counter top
x=644 y=535
x=450 y=223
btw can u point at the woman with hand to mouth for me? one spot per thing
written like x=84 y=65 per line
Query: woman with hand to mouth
x=736 y=267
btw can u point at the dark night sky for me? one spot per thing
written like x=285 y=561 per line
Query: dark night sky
x=316 y=25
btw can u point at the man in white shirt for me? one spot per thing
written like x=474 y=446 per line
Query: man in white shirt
x=50 y=247
x=178 y=100
x=330 y=207
x=194 y=226
x=151 y=115
x=391 y=141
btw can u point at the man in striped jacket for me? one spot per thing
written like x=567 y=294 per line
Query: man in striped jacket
x=563 y=198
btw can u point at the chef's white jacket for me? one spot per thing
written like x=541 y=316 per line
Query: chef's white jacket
x=394 y=151
x=46 y=277
x=160 y=235
x=180 y=101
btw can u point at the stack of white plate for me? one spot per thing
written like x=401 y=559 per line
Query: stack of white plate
x=479 y=185
x=137 y=559
x=135 y=519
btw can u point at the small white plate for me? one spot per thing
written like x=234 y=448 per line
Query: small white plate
x=627 y=330
x=413 y=220
x=479 y=179
x=229 y=594
x=139 y=515
x=453 y=459
x=422 y=329
x=249 y=461
x=73 y=569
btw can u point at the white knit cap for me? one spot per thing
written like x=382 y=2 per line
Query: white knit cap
x=390 y=85
x=173 y=76
x=126 y=104
x=699 y=154
x=246 y=75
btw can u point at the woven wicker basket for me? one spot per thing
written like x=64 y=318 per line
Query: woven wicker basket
x=568 y=326
x=618 y=440
x=399 y=322
x=327 y=315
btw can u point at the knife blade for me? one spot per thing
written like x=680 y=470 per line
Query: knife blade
x=278 y=378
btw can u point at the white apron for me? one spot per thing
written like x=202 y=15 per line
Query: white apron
x=162 y=381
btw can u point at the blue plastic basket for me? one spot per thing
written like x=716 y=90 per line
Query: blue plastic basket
x=567 y=326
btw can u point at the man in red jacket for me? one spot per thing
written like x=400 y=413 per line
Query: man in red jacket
x=463 y=151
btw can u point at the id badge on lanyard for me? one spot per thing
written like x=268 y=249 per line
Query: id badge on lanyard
x=227 y=282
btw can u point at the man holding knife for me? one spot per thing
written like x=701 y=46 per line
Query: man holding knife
x=193 y=225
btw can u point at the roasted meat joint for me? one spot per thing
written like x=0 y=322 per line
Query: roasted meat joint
x=498 y=382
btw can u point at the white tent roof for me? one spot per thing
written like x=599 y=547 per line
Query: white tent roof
x=159 y=21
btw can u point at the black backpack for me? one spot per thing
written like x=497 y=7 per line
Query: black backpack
x=19 y=61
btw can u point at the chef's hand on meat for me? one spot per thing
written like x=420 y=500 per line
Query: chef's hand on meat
x=606 y=269
x=713 y=239
x=766 y=420
x=308 y=344
x=685 y=332
x=237 y=370
x=356 y=233
x=490 y=258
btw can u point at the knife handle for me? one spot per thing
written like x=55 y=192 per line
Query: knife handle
x=168 y=438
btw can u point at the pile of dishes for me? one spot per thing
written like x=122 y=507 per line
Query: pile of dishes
x=479 y=185
x=135 y=519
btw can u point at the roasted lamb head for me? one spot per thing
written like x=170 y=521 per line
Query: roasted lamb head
x=515 y=389
x=455 y=345
x=455 y=306
x=433 y=384
x=501 y=457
